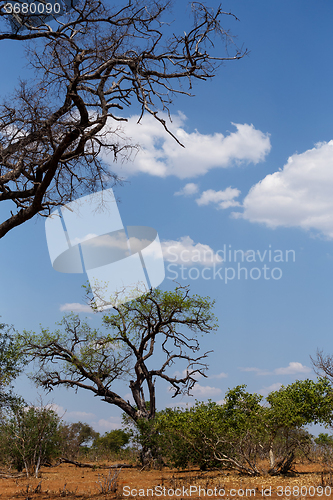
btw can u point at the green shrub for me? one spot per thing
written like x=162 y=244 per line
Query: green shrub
x=30 y=438
x=112 y=442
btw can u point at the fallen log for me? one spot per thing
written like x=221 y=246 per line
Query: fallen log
x=92 y=466
x=9 y=476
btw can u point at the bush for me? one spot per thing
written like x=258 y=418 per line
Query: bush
x=76 y=438
x=324 y=445
x=30 y=438
x=242 y=432
x=210 y=435
x=112 y=442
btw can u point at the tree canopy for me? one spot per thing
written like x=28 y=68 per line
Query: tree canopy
x=11 y=363
x=79 y=356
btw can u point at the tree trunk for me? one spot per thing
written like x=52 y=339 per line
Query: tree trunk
x=271 y=458
x=146 y=456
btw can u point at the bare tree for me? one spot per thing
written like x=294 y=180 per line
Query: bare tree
x=90 y=65
x=323 y=365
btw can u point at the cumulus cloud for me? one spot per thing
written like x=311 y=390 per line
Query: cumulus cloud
x=161 y=156
x=299 y=195
x=75 y=307
x=188 y=190
x=103 y=425
x=116 y=241
x=223 y=199
x=205 y=391
x=184 y=251
x=88 y=237
x=293 y=368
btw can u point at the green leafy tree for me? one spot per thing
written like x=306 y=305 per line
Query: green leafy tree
x=113 y=441
x=76 y=438
x=302 y=402
x=324 y=445
x=324 y=439
x=291 y=408
x=11 y=363
x=130 y=349
x=244 y=431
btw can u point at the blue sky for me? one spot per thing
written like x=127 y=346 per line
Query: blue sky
x=255 y=176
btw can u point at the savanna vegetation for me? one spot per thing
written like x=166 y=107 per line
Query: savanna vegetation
x=246 y=433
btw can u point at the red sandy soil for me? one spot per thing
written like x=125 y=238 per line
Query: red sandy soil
x=68 y=481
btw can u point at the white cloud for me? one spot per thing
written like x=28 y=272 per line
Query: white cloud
x=59 y=410
x=88 y=237
x=299 y=195
x=115 y=241
x=104 y=425
x=223 y=199
x=293 y=368
x=188 y=190
x=207 y=391
x=75 y=307
x=186 y=252
x=160 y=155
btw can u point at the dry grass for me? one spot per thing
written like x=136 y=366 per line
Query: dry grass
x=73 y=483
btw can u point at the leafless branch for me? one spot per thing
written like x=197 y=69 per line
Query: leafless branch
x=92 y=65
